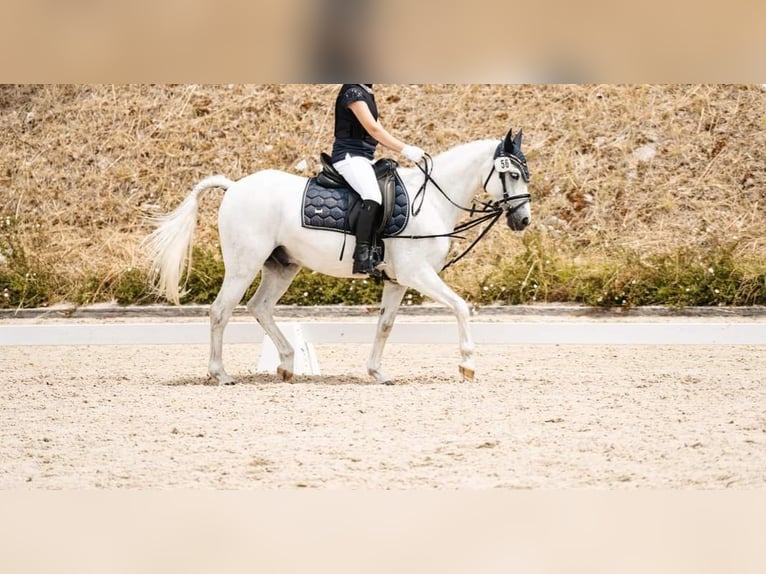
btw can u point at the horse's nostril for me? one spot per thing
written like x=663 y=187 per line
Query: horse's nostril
x=525 y=221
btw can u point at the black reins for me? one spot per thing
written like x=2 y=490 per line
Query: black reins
x=490 y=211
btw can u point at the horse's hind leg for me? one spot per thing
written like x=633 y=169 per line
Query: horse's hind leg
x=389 y=305
x=275 y=279
x=233 y=288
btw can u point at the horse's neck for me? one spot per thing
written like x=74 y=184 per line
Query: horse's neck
x=460 y=173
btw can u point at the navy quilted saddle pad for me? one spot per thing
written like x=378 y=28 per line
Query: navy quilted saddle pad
x=327 y=208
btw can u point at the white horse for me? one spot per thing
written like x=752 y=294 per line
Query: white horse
x=260 y=229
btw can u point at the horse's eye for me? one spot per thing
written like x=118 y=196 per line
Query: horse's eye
x=515 y=175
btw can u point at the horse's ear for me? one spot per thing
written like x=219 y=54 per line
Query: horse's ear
x=508 y=143
x=517 y=141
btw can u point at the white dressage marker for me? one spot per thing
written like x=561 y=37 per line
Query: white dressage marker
x=306 y=362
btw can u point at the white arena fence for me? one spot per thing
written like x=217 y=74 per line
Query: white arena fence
x=420 y=332
x=304 y=335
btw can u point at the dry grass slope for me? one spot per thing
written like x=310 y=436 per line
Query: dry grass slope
x=642 y=193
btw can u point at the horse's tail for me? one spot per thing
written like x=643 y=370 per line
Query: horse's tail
x=169 y=246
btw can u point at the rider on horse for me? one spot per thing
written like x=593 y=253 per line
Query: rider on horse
x=357 y=134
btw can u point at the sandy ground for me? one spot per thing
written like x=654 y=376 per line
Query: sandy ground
x=538 y=417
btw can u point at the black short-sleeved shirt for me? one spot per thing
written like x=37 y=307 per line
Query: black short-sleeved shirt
x=350 y=135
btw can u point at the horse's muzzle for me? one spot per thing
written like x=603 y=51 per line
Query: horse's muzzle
x=516 y=220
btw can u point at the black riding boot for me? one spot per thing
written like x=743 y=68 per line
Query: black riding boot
x=364 y=254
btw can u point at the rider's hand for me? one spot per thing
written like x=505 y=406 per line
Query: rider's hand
x=413 y=153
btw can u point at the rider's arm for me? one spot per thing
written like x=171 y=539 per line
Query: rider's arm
x=374 y=128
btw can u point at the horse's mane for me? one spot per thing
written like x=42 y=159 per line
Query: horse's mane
x=460 y=149
x=452 y=154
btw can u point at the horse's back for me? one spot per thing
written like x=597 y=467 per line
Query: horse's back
x=271 y=177
x=268 y=181
x=270 y=191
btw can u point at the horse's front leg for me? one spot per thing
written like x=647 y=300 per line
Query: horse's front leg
x=428 y=282
x=389 y=305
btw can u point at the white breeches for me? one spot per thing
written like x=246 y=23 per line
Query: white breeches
x=360 y=175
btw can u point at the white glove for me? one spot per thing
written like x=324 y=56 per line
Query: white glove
x=413 y=153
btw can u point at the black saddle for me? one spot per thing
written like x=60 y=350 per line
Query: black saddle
x=329 y=202
x=385 y=172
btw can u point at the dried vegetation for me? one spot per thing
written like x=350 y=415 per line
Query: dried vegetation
x=642 y=193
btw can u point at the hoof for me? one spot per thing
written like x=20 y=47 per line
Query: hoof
x=469 y=375
x=389 y=383
x=221 y=379
x=286 y=375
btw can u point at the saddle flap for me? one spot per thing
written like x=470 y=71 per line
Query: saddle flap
x=385 y=171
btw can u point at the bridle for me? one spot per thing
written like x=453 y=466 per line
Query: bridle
x=489 y=211
x=503 y=161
